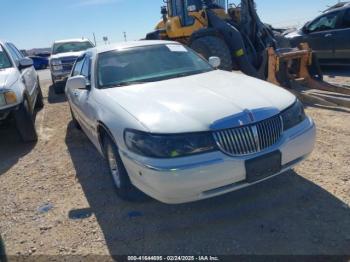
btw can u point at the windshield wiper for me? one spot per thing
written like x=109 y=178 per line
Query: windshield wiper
x=126 y=83
x=189 y=73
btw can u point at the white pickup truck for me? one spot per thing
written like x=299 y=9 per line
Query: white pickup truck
x=20 y=91
x=64 y=55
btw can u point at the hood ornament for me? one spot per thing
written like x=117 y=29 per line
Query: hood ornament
x=250 y=115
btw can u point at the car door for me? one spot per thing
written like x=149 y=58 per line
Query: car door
x=73 y=94
x=341 y=38
x=84 y=102
x=320 y=34
x=28 y=75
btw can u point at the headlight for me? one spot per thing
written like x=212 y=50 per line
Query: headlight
x=168 y=146
x=293 y=115
x=8 y=98
x=56 y=62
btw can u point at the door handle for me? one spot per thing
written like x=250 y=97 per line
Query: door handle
x=327 y=35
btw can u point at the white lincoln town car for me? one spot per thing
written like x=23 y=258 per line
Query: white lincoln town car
x=174 y=127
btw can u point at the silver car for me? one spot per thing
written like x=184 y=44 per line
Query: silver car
x=20 y=91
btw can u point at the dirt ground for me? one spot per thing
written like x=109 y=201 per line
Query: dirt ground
x=56 y=198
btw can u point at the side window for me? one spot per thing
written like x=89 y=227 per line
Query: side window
x=179 y=9
x=12 y=52
x=86 y=67
x=326 y=22
x=78 y=66
x=346 y=19
x=19 y=54
x=4 y=59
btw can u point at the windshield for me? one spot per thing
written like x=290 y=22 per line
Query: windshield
x=4 y=59
x=71 y=47
x=148 y=64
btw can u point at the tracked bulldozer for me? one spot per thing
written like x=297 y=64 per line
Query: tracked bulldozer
x=236 y=35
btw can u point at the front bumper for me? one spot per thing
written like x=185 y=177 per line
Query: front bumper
x=6 y=111
x=60 y=76
x=182 y=180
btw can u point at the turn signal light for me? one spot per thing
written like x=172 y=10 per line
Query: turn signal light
x=10 y=98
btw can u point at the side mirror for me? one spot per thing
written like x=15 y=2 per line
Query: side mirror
x=77 y=83
x=214 y=61
x=25 y=63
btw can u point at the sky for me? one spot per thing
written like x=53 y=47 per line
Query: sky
x=37 y=23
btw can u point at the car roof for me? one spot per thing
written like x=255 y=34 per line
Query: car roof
x=124 y=45
x=72 y=40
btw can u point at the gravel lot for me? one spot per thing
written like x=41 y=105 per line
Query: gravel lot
x=56 y=198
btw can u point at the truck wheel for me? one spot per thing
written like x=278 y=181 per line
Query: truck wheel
x=208 y=46
x=125 y=190
x=40 y=99
x=25 y=123
x=58 y=88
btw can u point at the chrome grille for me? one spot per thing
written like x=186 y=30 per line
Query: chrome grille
x=250 y=139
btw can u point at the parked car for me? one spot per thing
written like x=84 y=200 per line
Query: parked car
x=64 y=54
x=43 y=54
x=174 y=127
x=328 y=35
x=20 y=91
x=40 y=62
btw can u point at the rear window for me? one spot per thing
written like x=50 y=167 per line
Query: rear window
x=4 y=59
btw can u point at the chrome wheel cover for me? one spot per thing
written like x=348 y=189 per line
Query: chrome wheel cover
x=113 y=166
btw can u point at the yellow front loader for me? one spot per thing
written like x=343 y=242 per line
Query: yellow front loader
x=237 y=36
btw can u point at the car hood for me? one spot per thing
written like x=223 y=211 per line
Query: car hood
x=8 y=77
x=293 y=34
x=202 y=102
x=63 y=55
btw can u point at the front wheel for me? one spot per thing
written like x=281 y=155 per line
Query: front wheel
x=25 y=122
x=125 y=190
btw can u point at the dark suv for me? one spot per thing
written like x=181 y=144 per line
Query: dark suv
x=328 y=35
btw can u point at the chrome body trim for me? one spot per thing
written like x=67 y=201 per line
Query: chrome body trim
x=175 y=168
x=249 y=139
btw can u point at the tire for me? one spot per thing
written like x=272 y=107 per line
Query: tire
x=74 y=120
x=58 y=88
x=40 y=99
x=208 y=46
x=125 y=190
x=25 y=122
